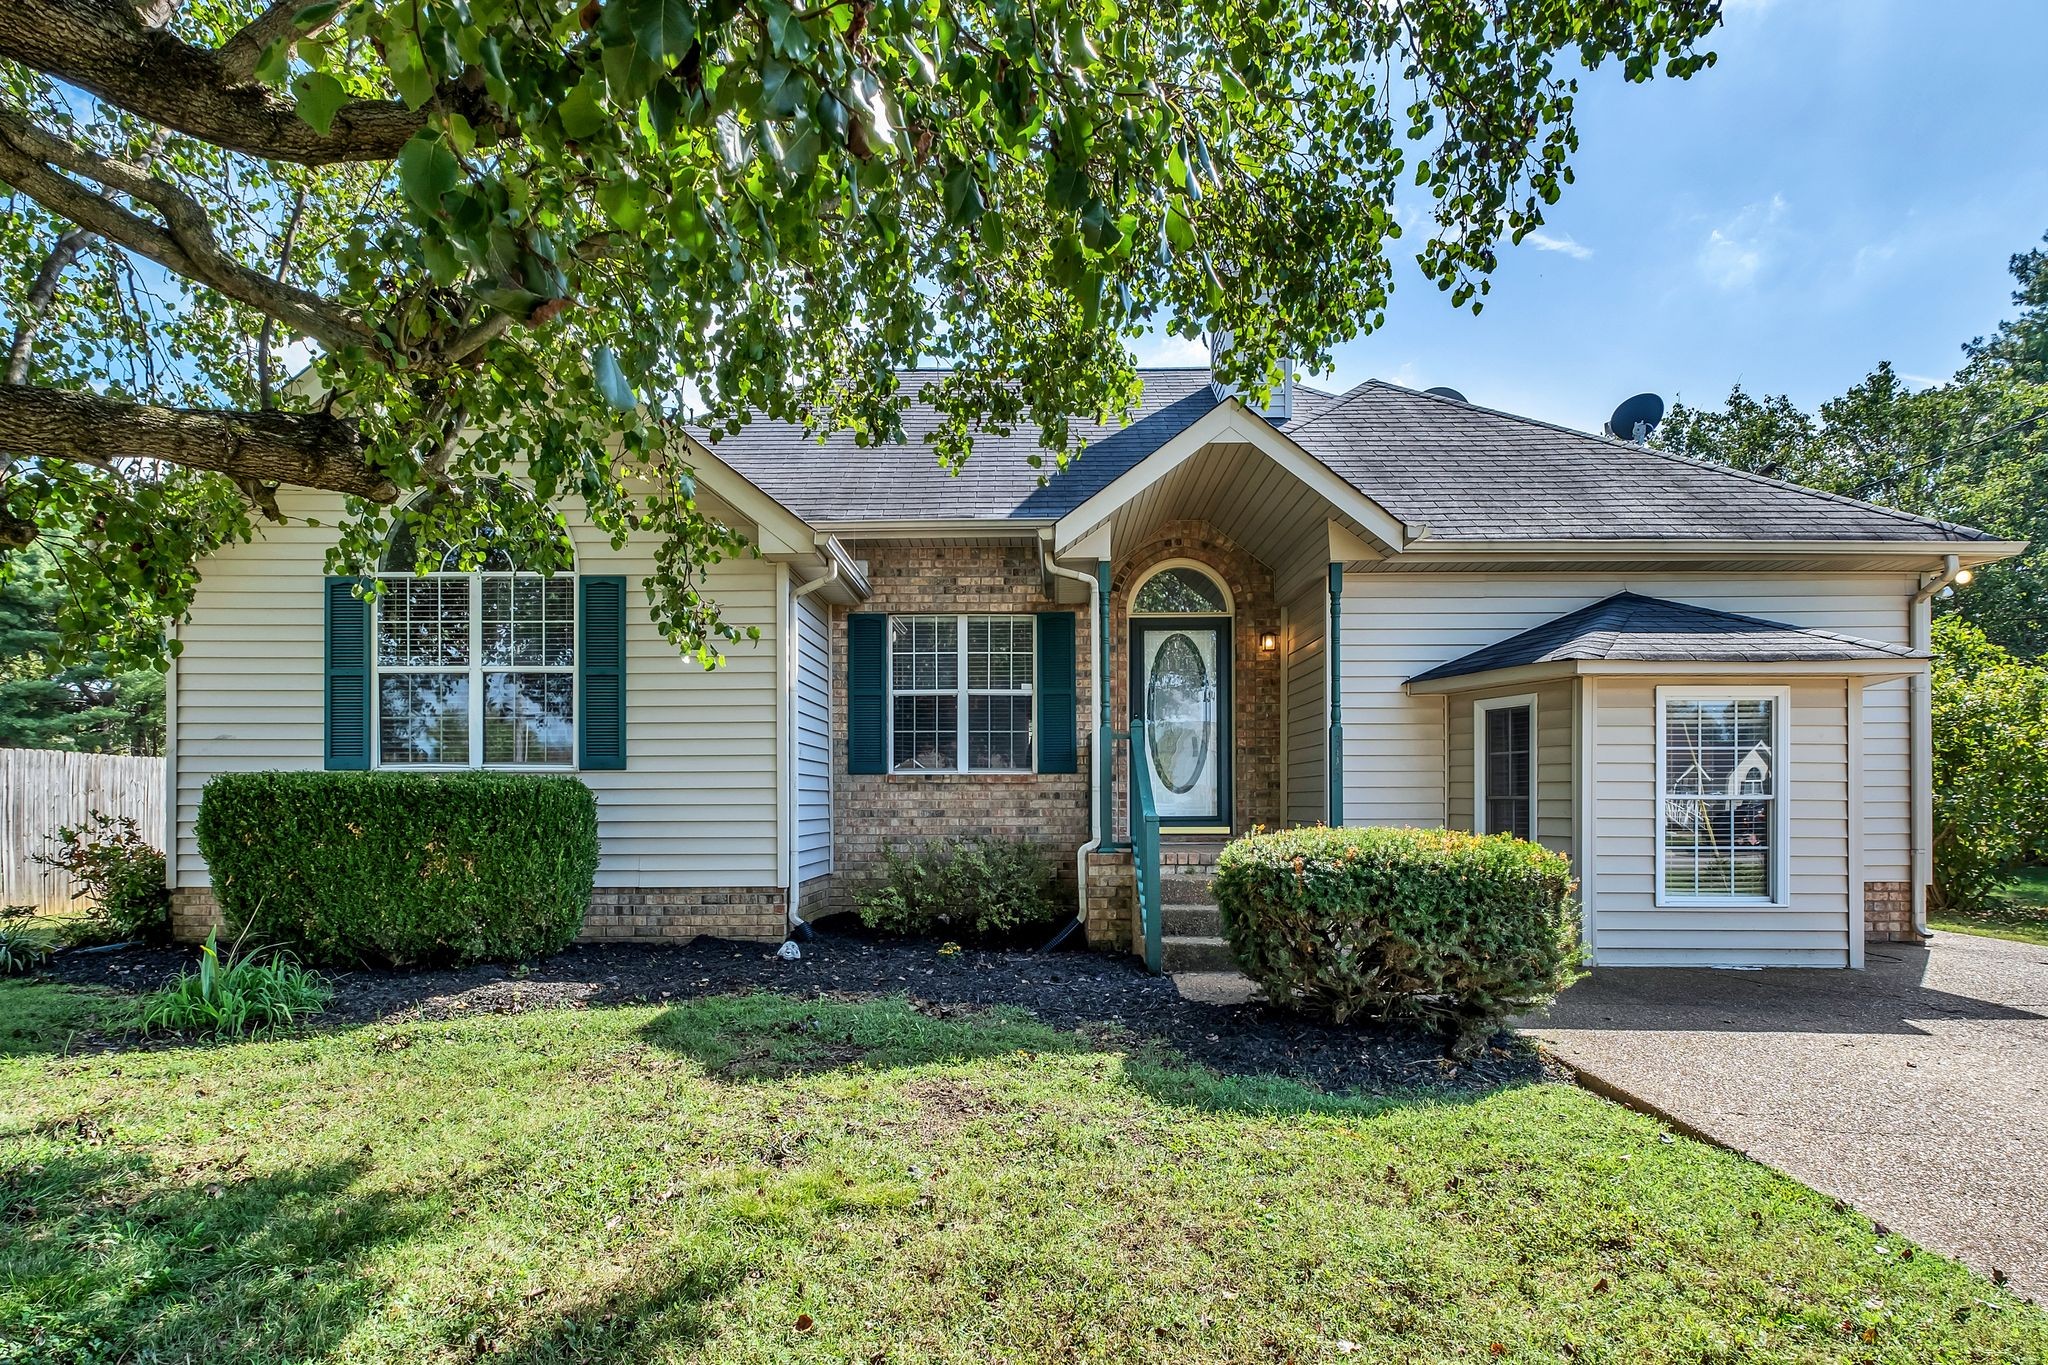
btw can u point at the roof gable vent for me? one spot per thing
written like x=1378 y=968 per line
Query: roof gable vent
x=1279 y=404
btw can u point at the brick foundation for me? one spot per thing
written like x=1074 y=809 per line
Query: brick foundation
x=1112 y=903
x=1888 y=912
x=871 y=811
x=617 y=914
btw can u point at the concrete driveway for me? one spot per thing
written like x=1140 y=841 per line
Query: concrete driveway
x=1916 y=1090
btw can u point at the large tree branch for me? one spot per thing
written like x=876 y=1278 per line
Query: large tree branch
x=32 y=159
x=304 y=449
x=240 y=55
x=103 y=47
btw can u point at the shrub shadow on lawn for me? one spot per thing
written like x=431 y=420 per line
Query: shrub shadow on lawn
x=106 y=1252
x=764 y=1039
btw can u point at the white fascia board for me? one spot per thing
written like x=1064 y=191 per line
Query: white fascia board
x=1230 y=421
x=1867 y=670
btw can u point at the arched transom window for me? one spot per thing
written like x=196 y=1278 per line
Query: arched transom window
x=1180 y=589
x=474 y=668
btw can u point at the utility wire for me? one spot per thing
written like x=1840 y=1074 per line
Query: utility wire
x=1873 y=485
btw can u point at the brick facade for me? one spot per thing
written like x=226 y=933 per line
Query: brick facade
x=1111 y=922
x=1888 y=912
x=871 y=811
x=617 y=914
x=1255 y=677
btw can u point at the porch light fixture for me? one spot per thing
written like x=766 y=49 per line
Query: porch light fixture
x=1963 y=576
x=1268 y=642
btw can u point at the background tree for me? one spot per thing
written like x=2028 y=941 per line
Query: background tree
x=51 y=699
x=1990 y=765
x=1972 y=450
x=511 y=234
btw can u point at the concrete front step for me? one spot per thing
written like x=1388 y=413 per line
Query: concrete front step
x=1200 y=921
x=1195 y=953
x=1180 y=887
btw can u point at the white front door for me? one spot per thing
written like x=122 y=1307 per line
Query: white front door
x=1182 y=692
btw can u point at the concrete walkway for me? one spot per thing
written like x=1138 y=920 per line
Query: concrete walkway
x=1916 y=1090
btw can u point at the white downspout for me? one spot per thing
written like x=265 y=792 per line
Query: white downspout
x=1095 y=760
x=1919 y=614
x=795 y=647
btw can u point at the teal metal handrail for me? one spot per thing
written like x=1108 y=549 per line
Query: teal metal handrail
x=1145 y=847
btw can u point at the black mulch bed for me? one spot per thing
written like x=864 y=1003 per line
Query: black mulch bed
x=1109 y=997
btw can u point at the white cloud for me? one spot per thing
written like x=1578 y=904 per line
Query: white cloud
x=1738 y=250
x=1164 y=350
x=1570 y=246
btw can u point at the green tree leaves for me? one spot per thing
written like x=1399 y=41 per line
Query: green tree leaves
x=774 y=207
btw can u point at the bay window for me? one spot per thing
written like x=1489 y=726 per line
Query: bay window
x=1720 y=764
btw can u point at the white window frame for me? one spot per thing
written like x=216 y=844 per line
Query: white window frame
x=475 y=670
x=1215 y=578
x=1780 y=698
x=960 y=691
x=1480 y=709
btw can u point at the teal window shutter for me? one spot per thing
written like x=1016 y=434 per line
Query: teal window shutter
x=867 y=692
x=348 y=677
x=1058 y=750
x=601 y=672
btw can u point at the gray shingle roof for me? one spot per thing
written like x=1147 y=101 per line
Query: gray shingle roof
x=1655 y=630
x=1473 y=474
x=1469 y=473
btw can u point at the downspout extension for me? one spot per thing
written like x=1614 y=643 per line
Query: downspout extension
x=803 y=590
x=1096 y=761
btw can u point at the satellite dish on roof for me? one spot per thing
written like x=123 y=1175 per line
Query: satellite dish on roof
x=1636 y=418
x=1444 y=391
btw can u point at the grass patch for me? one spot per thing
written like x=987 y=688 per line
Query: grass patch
x=42 y=1016
x=755 y=1179
x=2019 y=910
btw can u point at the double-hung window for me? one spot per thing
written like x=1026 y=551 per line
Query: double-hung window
x=474 y=669
x=1504 y=776
x=960 y=693
x=1720 y=763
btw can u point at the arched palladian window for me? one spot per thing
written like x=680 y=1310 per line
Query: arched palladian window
x=1179 y=588
x=473 y=668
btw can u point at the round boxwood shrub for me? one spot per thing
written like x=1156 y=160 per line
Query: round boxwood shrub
x=402 y=868
x=1432 y=927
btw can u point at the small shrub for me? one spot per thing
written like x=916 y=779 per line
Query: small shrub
x=243 y=995
x=121 y=875
x=402 y=868
x=22 y=947
x=975 y=887
x=1437 y=928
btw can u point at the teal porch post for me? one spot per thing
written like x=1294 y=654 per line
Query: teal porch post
x=1336 y=699
x=1105 y=765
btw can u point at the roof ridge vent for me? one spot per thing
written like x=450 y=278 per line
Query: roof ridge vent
x=1279 y=404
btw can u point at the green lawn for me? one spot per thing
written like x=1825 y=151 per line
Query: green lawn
x=2021 y=912
x=753 y=1179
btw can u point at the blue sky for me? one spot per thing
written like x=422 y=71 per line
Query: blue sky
x=1844 y=187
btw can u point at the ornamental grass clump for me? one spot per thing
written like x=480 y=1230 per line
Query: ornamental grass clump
x=1433 y=928
x=243 y=995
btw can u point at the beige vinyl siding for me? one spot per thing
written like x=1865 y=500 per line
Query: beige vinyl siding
x=696 y=804
x=1554 y=731
x=813 y=740
x=1398 y=624
x=1307 y=670
x=1631 y=929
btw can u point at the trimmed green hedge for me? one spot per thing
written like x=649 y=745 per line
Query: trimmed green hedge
x=402 y=868
x=981 y=888
x=1435 y=927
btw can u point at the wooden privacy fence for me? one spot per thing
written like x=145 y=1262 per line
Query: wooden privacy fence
x=42 y=790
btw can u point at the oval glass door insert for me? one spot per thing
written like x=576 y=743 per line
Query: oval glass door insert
x=1180 y=712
